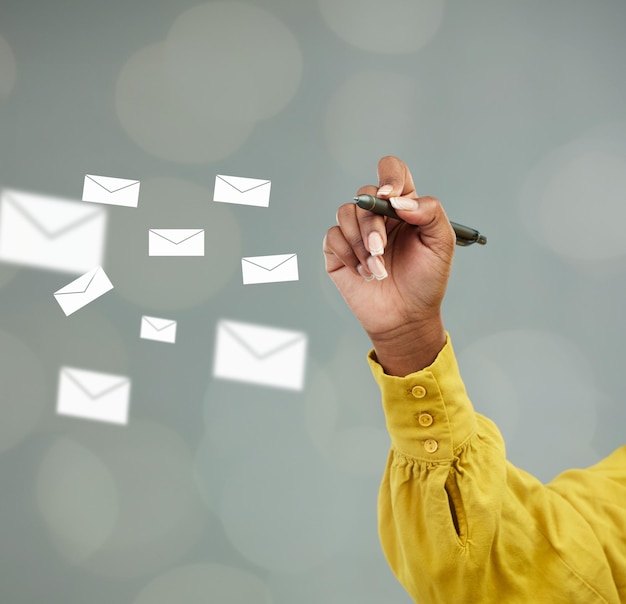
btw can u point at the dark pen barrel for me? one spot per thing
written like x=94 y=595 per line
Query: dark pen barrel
x=464 y=235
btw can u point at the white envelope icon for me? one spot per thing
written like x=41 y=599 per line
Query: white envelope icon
x=269 y=269
x=113 y=191
x=161 y=330
x=262 y=355
x=50 y=232
x=92 y=395
x=176 y=242
x=241 y=190
x=83 y=290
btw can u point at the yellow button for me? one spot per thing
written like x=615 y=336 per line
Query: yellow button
x=425 y=419
x=418 y=391
x=431 y=445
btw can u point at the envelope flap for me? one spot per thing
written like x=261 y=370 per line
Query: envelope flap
x=157 y=323
x=94 y=384
x=110 y=184
x=53 y=216
x=243 y=184
x=262 y=342
x=269 y=263
x=80 y=285
x=176 y=236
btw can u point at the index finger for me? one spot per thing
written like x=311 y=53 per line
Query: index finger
x=373 y=226
x=394 y=178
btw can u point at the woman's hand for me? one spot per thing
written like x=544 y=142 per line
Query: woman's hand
x=393 y=274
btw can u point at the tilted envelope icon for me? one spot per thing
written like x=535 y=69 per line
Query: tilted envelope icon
x=93 y=395
x=156 y=328
x=83 y=290
x=270 y=356
x=51 y=232
x=242 y=190
x=269 y=269
x=112 y=191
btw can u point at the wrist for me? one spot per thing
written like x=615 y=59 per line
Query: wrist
x=411 y=348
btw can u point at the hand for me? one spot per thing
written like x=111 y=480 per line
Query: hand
x=392 y=274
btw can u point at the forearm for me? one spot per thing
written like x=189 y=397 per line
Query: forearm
x=411 y=350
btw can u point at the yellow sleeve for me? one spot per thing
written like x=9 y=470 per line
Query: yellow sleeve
x=460 y=524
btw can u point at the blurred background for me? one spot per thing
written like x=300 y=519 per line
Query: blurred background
x=216 y=490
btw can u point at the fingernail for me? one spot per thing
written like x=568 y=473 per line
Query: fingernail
x=375 y=243
x=385 y=190
x=403 y=203
x=375 y=264
x=364 y=273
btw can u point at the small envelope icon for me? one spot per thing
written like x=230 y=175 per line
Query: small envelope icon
x=50 y=232
x=83 y=290
x=270 y=356
x=269 y=269
x=241 y=190
x=176 y=242
x=161 y=330
x=112 y=191
x=92 y=395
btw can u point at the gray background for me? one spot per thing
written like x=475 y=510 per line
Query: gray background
x=512 y=113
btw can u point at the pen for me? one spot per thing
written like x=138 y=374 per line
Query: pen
x=464 y=235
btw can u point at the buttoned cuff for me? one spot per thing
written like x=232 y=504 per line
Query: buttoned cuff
x=429 y=415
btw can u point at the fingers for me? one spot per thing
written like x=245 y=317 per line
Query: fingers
x=347 y=244
x=435 y=230
x=396 y=184
x=339 y=254
x=394 y=178
x=359 y=240
x=372 y=226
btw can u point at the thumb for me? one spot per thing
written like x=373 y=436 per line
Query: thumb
x=428 y=214
x=394 y=178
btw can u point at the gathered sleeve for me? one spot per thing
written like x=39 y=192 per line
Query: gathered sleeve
x=460 y=524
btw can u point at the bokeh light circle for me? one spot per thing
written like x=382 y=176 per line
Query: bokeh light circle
x=390 y=27
x=573 y=199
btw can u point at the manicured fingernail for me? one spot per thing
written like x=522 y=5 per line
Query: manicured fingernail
x=375 y=264
x=403 y=203
x=364 y=273
x=385 y=190
x=375 y=243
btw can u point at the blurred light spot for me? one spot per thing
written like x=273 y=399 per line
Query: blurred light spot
x=166 y=283
x=347 y=578
x=205 y=582
x=196 y=97
x=234 y=60
x=539 y=388
x=23 y=391
x=160 y=514
x=344 y=418
x=391 y=27
x=242 y=420
x=574 y=202
x=8 y=69
x=154 y=117
x=287 y=511
x=78 y=499
x=373 y=113
x=94 y=341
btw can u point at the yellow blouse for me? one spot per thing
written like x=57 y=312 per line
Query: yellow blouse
x=460 y=524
